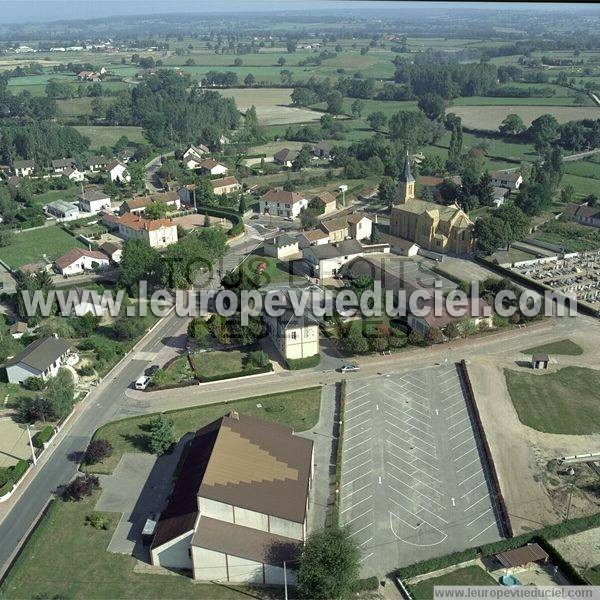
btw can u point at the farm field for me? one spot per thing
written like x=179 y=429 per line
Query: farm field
x=108 y=135
x=31 y=246
x=490 y=117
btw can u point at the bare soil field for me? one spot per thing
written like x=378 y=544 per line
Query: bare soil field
x=273 y=105
x=581 y=549
x=490 y=117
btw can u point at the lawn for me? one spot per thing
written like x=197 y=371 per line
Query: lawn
x=178 y=371
x=65 y=558
x=593 y=575
x=11 y=392
x=565 y=401
x=108 y=135
x=472 y=575
x=298 y=408
x=68 y=195
x=214 y=365
x=31 y=246
x=565 y=347
x=276 y=271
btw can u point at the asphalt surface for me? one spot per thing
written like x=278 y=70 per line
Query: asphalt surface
x=414 y=483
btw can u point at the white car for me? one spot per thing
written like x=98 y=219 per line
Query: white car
x=142 y=382
x=349 y=369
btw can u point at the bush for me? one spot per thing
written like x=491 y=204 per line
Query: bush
x=86 y=370
x=162 y=435
x=34 y=384
x=43 y=436
x=293 y=364
x=97 y=521
x=80 y=487
x=17 y=471
x=259 y=358
x=367 y=584
x=97 y=450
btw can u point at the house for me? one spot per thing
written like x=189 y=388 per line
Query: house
x=294 y=336
x=540 y=361
x=73 y=174
x=224 y=140
x=477 y=312
x=42 y=358
x=192 y=157
x=24 y=168
x=432 y=226
x=282 y=246
x=285 y=157
x=360 y=227
x=88 y=76
x=63 y=211
x=159 y=233
x=117 y=171
x=113 y=251
x=500 y=195
x=225 y=185
x=137 y=206
x=507 y=179
x=368 y=193
x=96 y=163
x=313 y=237
x=279 y=203
x=322 y=150
x=79 y=260
x=325 y=260
x=62 y=164
x=584 y=214
x=337 y=229
x=239 y=505
x=18 y=330
x=187 y=193
x=399 y=245
x=93 y=201
x=209 y=166
x=326 y=202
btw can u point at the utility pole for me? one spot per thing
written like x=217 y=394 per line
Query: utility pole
x=285 y=580
x=31 y=444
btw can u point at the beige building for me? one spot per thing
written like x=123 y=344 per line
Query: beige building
x=282 y=247
x=240 y=503
x=435 y=227
x=294 y=337
x=326 y=201
x=159 y=233
x=360 y=226
x=337 y=229
x=225 y=185
x=279 y=203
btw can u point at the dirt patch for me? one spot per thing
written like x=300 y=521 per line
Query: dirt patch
x=580 y=549
x=197 y=220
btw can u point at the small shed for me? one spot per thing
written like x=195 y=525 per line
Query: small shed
x=522 y=556
x=540 y=361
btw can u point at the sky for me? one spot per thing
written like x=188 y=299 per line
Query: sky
x=16 y=11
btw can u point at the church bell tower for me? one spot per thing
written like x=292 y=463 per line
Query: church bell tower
x=405 y=190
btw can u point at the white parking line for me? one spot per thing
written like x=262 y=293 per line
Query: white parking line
x=356 y=504
x=365 y=557
x=362 y=414
x=346 y=471
x=420 y=507
x=357 y=445
x=412 y=438
x=365 y=542
x=413 y=457
x=467 y=452
x=350 y=403
x=346 y=440
x=476 y=487
x=362 y=387
x=361 y=529
x=355 y=479
x=424 y=423
x=356 y=491
x=404 y=431
x=417 y=491
x=357 y=455
x=459 y=422
x=467 y=465
x=358 y=405
x=353 y=427
x=416 y=479
x=478 y=517
x=461 y=401
x=470 y=477
x=476 y=502
x=482 y=531
x=460 y=433
x=458 y=412
x=416 y=468
x=359 y=516
x=469 y=439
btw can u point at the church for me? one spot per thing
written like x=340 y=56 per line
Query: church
x=432 y=226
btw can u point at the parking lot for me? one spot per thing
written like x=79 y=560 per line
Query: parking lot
x=414 y=484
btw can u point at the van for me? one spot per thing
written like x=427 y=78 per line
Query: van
x=142 y=382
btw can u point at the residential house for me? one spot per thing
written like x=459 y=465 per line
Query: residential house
x=192 y=157
x=279 y=203
x=360 y=227
x=225 y=185
x=282 y=246
x=500 y=196
x=88 y=76
x=322 y=150
x=62 y=164
x=337 y=229
x=24 y=168
x=326 y=202
x=239 y=505
x=399 y=245
x=293 y=336
x=73 y=174
x=96 y=163
x=137 y=206
x=325 y=261
x=507 y=179
x=583 y=214
x=63 y=211
x=113 y=251
x=159 y=233
x=78 y=260
x=313 y=237
x=209 y=166
x=285 y=157
x=117 y=171
x=42 y=358
x=18 y=330
x=93 y=201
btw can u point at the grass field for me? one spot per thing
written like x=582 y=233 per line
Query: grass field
x=67 y=559
x=472 y=575
x=109 y=135
x=565 y=347
x=565 y=401
x=276 y=271
x=593 y=575
x=69 y=195
x=218 y=364
x=299 y=409
x=31 y=246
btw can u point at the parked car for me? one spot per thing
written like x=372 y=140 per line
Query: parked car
x=142 y=382
x=151 y=370
x=349 y=369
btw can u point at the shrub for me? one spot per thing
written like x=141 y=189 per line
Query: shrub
x=293 y=364
x=81 y=487
x=378 y=344
x=415 y=338
x=97 y=450
x=259 y=358
x=367 y=584
x=17 y=471
x=43 y=436
x=86 y=370
x=34 y=383
x=97 y=521
x=162 y=435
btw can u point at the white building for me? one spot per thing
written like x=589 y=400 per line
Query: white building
x=94 y=201
x=279 y=203
x=42 y=358
x=78 y=260
x=192 y=157
x=506 y=179
x=282 y=247
x=63 y=211
x=117 y=171
x=159 y=233
x=24 y=168
x=210 y=166
x=73 y=174
x=294 y=337
x=240 y=503
x=60 y=165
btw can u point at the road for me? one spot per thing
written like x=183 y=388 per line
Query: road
x=151 y=168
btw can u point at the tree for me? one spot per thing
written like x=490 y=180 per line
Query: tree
x=452 y=331
x=512 y=125
x=329 y=565
x=377 y=120
x=454 y=149
x=205 y=193
x=491 y=233
x=80 y=487
x=309 y=218
x=543 y=131
x=97 y=451
x=249 y=80
x=433 y=105
x=281 y=61
x=302 y=160
x=139 y=262
x=238 y=62
x=485 y=190
x=291 y=46
x=60 y=393
x=156 y=210
x=242 y=207
x=356 y=342
x=415 y=338
x=161 y=435
x=357 y=109
x=434 y=335
x=302 y=96
x=534 y=199
x=387 y=190
x=198 y=331
x=335 y=103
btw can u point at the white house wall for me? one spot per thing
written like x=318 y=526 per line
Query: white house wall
x=174 y=553
x=215 y=510
x=250 y=518
x=209 y=565
x=20 y=372
x=286 y=528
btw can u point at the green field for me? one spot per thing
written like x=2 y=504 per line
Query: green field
x=565 y=401
x=68 y=195
x=299 y=409
x=276 y=271
x=31 y=246
x=109 y=135
x=65 y=558
x=220 y=364
x=565 y=347
x=472 y=575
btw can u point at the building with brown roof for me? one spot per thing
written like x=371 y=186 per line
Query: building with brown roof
x=79 y=260
x=159 y=233
x=583 y=214
x=210 y=166
x=326 y=201
x=279 y=203
x=285 y=157
x=239 y=506
x=137 y=206
x=225 y=185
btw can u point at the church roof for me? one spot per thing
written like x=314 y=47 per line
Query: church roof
x=416 y=206
x=406 y=176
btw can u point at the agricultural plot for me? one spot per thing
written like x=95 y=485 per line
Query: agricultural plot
x=109 y=135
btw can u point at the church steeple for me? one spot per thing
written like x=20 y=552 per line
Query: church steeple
x=405 y=189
